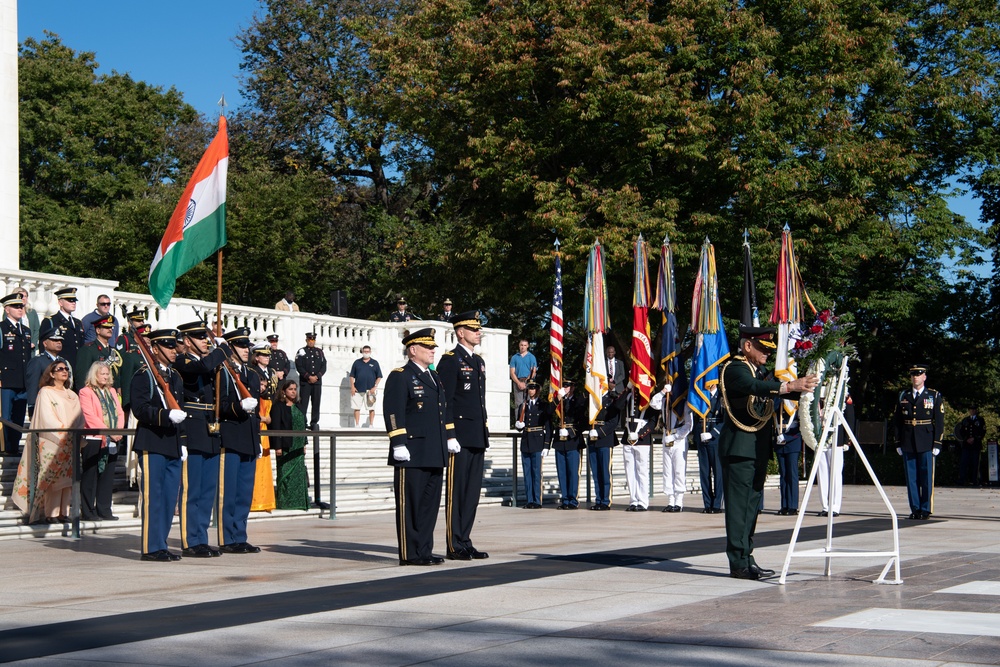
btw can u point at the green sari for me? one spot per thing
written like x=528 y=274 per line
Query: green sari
x=293 y=481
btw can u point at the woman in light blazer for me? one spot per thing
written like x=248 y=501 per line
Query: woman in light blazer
x=102 y=408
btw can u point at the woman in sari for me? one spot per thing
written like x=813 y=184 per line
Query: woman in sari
x=56 y=407
x=293 y=481
x=263 y=486
x=101 y=409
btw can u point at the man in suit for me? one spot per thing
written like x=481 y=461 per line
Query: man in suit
x=159 y=440
x=568 y=431
x=534 y=421
x=616 y=372
x=745 y=441
x=71 y=326
x=463 y=374
x=420 y=439
x=15 y=353
x=707 y=432
x=919 y=422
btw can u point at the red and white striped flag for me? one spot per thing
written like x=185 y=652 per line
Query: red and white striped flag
x=556 y=337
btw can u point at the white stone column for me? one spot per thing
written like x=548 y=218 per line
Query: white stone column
x=9 y=199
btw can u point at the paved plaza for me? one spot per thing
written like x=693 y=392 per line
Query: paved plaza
x=560 y=588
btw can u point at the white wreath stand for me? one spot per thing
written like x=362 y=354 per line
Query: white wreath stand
x=833 y=418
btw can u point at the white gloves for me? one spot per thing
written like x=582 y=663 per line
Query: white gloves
x=220 y=341
x=562 y=392
x=593 y=434
x=633 y=436
x=936 y=451
x=453 y=446
x=401 y=453
x=112 y=448
x=706 y=436
x=847 y=448
x=184 y=453
x=545 y=452
x=780 y=439
x=519 y=425
x=668 y=438
x=899 y=450
x=667 y=388
x=177 y=416
x=248 y=403
x=564 y=433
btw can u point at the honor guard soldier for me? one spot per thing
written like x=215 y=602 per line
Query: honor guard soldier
x=416 y=419
x=463 y=373
x=707 y=432
x=447 y=315
x=199 y=368
x=159 y=440
x=919 y=422
x=310 y=362
x=569 y=419
x=745 y=441
x=677 y=425
x=602 y=438
x=240 y=446
x=131 y=361
x=637 y=444
x=71 y=326
x=14 y=357
x=279 y=363
x=136 y=320
x=534 y=421
x=401 y=314
x=99 y=349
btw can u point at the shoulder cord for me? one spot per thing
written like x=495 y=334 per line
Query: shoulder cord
x=763 y=418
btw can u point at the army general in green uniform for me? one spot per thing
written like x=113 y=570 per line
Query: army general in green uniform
x=745 y=441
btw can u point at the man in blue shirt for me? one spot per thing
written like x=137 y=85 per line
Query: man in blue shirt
x=523 y=367
x=365 y=376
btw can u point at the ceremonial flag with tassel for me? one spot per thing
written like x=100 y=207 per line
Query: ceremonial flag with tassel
x=596 y=319
x=197 y=227
x=748 y=312
x=787 y=313
x=556 y=338
x=641 y=351
x=666 y=302
x=711 y=346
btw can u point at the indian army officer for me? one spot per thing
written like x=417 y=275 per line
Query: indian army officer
x=535 y=421
x=919 y=421
x=99 y=349
x=416 y=418
x=567 y=441
x=198 y=368
x=71 y=326
x=745 y=442
x=15 y=353
x=159 y=440
x=240 y=446
x=463 y=373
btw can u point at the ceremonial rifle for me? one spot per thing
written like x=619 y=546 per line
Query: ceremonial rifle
x=147 y=356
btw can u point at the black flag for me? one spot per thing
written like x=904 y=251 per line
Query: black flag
x=748 y=312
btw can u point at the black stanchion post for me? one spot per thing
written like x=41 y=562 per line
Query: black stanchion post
x=317 y=499
x=74 y=510
x=333 y=478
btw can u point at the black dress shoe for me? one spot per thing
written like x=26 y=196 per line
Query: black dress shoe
x=161 y=556
x=572 y=507
x=214 y=553
x=743 y=573
x=823 y=513
x=459 y=555
x=760 y=571
x=106 y=517
x=172 y=556
x=237 y=548
x=717 y=510
x=418 y=561
x=603 y=508
x=477 y=554
x=667 y=509
x=914 y=515
x=707 y=510
x=199 y=551
x=595 y=507
x=562 y=507
x=250 y=549
x=678 y=508
x=436 y=560
x=640 y=508
x=924 y=516
x=836 y=514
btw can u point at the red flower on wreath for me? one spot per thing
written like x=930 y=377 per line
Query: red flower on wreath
x=815 y=329
x=824 y=316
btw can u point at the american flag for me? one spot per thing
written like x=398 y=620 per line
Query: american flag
x=556 y=337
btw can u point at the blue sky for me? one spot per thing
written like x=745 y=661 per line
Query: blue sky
x=187 y=44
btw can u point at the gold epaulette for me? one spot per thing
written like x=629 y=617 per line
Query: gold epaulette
x=397 y=370
x=448 y=353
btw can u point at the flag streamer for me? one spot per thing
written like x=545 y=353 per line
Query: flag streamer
x=597 y=322
x=705 y=314
x=641 y=352
x=711 y=346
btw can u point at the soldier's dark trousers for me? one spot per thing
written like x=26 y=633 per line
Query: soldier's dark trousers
x=465 y=483
x=709 y=466
x=236 y=478
x=418 y=498
x=743 y=481
x=14 y=405
x=310 y=393
x=161 y=476
x=199 y=484
x=919 y=480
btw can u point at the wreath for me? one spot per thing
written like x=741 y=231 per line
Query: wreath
x=821 y=350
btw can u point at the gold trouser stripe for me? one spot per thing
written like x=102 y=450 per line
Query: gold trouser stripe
x=401 y=510
x=219 y=496
x=449 y=502
x=145 y=502
x=184 y=503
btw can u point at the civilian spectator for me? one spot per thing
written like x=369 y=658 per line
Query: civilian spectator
x=288 y=303
x=616 y=371
x=263 y=486
x=293 y=481
x=15 y=352
x=101 y=409
x=103 y=311
x=365 y=375
x=57 y=407
x=71 y=326
x=523 y=367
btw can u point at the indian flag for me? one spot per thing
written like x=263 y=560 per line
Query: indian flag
x=197 y=227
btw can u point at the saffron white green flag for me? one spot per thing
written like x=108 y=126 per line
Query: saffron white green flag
x=197 y=227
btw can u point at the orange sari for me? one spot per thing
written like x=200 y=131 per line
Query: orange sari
x=263 y=486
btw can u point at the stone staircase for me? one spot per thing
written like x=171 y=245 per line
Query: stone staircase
x=363 y=484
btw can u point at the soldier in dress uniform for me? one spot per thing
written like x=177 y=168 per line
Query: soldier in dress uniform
x=567 y=441
x=602 y=438
x=199 y=369
x=71 y=326
x=15 y=354
x=50 y=339
x=745 y=441
x=99 y=349
x=447 y=315
x=135 y=320
x=919 y=422
x=401 y=314
x=535 y=421
x=240 y=447
x=707 y=432
x=159 y=439
x=131 y=361
x=637 y=443
x=463 y=373
x=419 y=428
x=310 y=362
x=279 y=363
